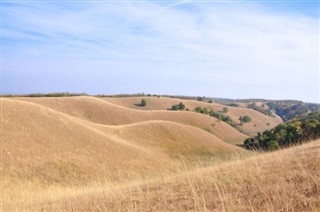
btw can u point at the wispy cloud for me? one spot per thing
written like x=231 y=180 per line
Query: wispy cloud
x=234 y=50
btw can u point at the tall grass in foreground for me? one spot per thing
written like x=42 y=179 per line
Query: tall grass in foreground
x=286 y=180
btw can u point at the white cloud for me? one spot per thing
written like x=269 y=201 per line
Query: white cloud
x=230 y=44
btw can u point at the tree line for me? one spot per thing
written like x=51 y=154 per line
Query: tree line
x=295 y=131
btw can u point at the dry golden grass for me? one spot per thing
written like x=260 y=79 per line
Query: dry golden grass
x=103 y=112
x=286 y=180
x=259 y=121
x=59 y=155
x=44 y=148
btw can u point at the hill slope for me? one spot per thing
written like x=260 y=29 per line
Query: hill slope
x=287 y=180
x=260 y=122
x=41 y=140
x=103 y=112
x=59 y=154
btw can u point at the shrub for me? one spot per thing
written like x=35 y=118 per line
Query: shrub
x=273 y=145
x=225 y=110
x=245 y=119
x=198 y=110
x=143 y=103
x=179 y=106
x=233 y=105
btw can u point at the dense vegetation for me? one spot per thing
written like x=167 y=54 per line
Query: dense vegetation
x=217 y=115
x=233 y=105
x=297 y=130
x=179 y=106
x=289 y=109
x=245 y=119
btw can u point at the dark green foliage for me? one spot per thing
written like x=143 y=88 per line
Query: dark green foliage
x=288 y=133
x=198 y=110
x=225 y=110
x=143 y=103
x=217 y=115
x=273 y=145
x=233 y=105
x=179 y=106
x=291 y=109
x=245 y=119
x=210 y=101
x=205 y=111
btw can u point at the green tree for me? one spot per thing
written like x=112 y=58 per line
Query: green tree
x=198 y=109
x=273 y=145
x=225 y=110
x=246 y=119
x=175 y=107
x=181 y=106
x=143 y=103
x=205 y=111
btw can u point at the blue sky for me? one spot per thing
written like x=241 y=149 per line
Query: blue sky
x=230 y=49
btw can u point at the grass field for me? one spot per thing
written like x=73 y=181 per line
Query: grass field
x=87 y=154
x=286 y=180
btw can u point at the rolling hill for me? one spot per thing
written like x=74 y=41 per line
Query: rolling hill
x=103 y=112
x=87 y=153
x=260 y=122
x=43 y=147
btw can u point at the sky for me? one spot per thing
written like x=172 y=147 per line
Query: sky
x=228 y=49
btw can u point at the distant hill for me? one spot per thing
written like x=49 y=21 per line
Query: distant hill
x=291 y=109
x=259 y=121
x=286 y=109
x=52 y=146
x=102 y=111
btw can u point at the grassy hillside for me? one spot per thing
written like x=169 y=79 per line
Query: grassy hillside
x=103 y=112
x=260 y=122
x=85 y=153
x=39 y=139
x=286 y=180
x=43 y=148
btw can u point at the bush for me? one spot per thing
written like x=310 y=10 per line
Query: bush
x=245 y=119
x=273 y=145
x=143 y=103
x=210 y=101
x=233 y=105
x=198 y=110
x=179 y=106
x=225 y=110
